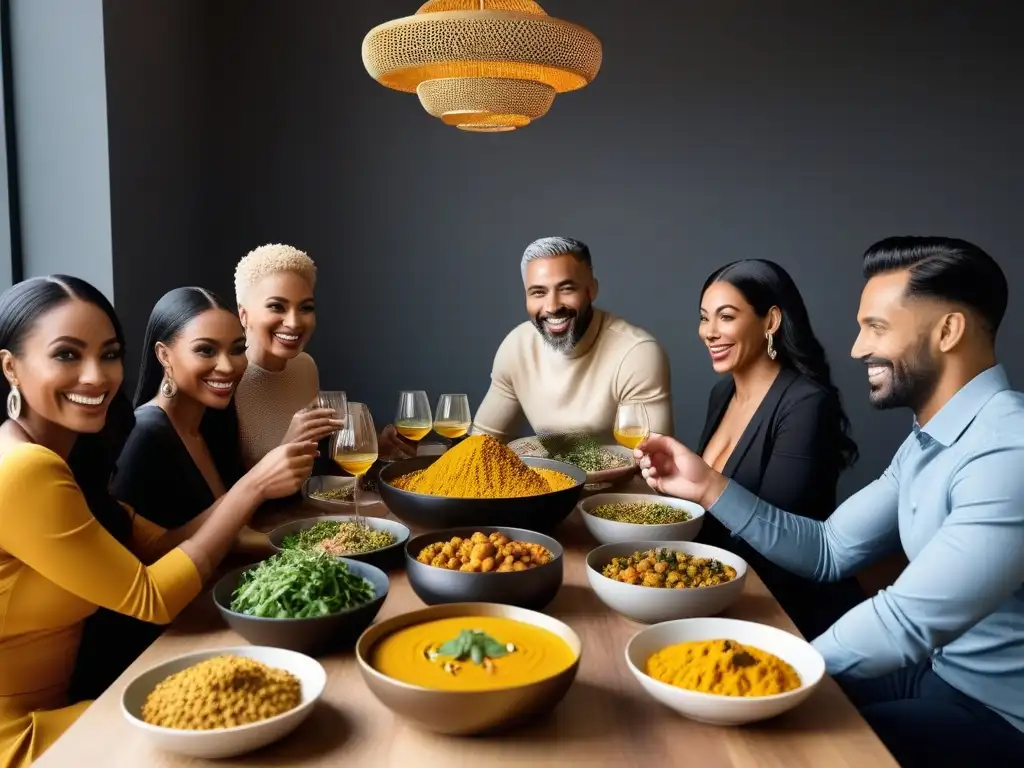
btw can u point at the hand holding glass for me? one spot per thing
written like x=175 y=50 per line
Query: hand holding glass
x=452 y=419
x=632 y=426
x=337 y=401
x=412 y=419
x=354 y=448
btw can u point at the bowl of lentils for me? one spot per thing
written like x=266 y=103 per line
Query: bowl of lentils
x=373 y=540
x=616 y=517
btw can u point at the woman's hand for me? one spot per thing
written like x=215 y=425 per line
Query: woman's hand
x=391 y=445
x=673 y=469
x=312 y=426
x=283 y=471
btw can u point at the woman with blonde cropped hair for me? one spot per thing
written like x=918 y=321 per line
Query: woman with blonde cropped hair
x=274 y=290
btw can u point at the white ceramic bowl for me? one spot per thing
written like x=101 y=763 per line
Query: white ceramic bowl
x=725 y=710
x=226 y=742
x=611 y=532
x=650 y=605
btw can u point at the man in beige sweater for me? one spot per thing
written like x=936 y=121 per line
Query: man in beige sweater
x=569 y=367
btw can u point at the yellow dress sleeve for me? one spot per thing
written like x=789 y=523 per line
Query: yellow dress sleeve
x=146 y=536
x=45 y=523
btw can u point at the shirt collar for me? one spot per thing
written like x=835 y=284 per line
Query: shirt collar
x=955 y=416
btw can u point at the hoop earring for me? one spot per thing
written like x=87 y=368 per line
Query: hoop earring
x=14 y=402
x=167 y=387
x=772 y=354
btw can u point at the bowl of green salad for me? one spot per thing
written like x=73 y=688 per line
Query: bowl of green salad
x=302 y=600
x=373 y=540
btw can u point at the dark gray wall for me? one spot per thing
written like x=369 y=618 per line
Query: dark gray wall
x=161 y=160
x=795 y=131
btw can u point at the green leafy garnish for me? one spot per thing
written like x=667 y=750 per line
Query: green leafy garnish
x=300 y=584
x=581 y=450
x=473 y=644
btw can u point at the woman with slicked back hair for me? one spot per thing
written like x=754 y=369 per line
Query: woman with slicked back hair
x=775 y=423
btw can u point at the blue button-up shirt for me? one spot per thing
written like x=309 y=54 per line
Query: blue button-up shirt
x=953 y=497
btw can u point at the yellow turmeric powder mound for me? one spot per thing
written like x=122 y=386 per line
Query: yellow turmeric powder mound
x=723 y=667
x=480 y=467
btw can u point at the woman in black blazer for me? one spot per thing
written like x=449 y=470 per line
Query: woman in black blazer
x=775 y=424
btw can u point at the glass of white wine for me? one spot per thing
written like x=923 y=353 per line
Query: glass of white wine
x=632 y=426
x=412 y=418
x=451 y=417
x=354 y=448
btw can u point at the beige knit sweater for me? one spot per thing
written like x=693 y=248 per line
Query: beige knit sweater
x=267 y=400
x=613 y=363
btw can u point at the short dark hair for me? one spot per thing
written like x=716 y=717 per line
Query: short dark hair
x=945 y=268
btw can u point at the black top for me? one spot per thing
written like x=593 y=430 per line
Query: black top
x=789 y=456
x=156 y=474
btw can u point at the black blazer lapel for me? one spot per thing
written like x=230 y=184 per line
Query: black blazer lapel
x=758 y=424
x=718 y=401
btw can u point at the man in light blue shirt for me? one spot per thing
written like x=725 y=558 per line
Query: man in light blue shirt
x=935 y=662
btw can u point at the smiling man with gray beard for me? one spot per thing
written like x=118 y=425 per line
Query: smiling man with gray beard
x=570 y=365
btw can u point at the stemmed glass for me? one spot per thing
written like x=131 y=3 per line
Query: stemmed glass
x=451 y=418
x=632 y=426
x=354 y=448
x=335 y=400
x=412 y=417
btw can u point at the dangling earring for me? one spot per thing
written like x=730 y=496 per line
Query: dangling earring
x=14 y=402
x=772 y=354
x=167 y=387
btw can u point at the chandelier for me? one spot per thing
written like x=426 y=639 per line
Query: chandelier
x=482 y=65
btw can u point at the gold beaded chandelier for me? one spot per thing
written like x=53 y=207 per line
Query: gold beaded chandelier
x=482 y=65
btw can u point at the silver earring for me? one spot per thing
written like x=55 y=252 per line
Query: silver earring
x=772 y=354
x=167 y=387
x=14 y=402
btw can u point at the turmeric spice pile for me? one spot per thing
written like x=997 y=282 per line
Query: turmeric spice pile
x=482 y=468
x=723 y=667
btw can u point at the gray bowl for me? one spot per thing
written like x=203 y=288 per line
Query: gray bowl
x=466 y=713
x=386 y=557
x=532 y=589
x=310 y=636
x=537 y=513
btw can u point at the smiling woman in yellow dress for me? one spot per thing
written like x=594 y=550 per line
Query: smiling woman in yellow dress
x=66 y=547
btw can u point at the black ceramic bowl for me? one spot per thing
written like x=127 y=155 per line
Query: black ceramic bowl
x=537 y=513
x=385 y=557
x=533 y=588
x=309 y=636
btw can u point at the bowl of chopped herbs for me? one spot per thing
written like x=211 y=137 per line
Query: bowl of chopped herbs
x=302 y=600
x=606 y=465
x=373 y=540
x=616 y=517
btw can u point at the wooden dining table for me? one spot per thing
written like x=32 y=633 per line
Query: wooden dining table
x=605 y=720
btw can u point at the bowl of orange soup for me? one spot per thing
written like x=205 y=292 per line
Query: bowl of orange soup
x=469 y=668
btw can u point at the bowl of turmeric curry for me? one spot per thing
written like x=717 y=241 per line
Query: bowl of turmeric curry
x=486 y=565
x=469 y=668
x=654 y=581
x=724 y=671
x=481 y=480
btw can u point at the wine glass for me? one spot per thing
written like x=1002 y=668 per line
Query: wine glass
x=335 y=400
x=632 y=426
x=451 y=418
x=354 y=448
x=412 y=418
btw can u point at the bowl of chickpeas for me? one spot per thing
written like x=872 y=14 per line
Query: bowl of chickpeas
x=654 y=581
x=224 y=702
x=483 y=564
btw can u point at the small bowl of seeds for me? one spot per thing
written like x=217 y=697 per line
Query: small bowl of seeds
x=616 y=517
